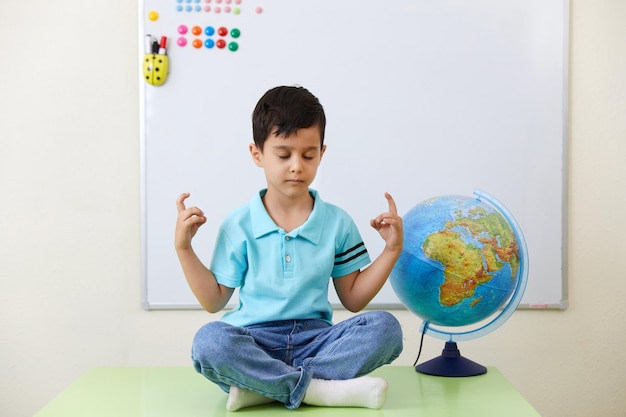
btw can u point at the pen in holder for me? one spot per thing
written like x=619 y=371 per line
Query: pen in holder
x=155 y=68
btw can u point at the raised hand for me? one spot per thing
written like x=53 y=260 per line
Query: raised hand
x=389 y=225
x=188 y=222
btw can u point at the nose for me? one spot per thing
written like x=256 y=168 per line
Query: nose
x=296 y=164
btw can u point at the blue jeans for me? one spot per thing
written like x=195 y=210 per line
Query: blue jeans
x=279 y=359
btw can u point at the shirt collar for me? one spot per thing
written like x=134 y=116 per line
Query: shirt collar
x=263 y=224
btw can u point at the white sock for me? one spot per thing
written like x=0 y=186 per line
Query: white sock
x=365 y=391
x=239 y=398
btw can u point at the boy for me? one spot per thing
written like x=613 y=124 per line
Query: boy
x=279 y=343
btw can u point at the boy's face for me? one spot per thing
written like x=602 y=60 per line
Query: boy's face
x=290 y=163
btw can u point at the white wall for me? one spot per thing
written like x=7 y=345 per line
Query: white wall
x=69 y=218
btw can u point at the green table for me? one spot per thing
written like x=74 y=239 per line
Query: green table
x=181 y=392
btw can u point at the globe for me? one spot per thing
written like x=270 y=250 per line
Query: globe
x=463 y=263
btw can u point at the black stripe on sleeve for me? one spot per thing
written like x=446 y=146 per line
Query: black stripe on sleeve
x=356 y=247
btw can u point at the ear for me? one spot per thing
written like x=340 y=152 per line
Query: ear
x=257 y=155
x=322 y=152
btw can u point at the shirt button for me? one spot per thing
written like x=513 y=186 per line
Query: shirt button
x=287 y=237
x=287 y=258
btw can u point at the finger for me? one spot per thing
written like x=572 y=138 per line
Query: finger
x=382 y=220
x=196 y=212
x=388 y=219
x=392 y=204
x=190 y=212
x=180 y=201
x=196 y=219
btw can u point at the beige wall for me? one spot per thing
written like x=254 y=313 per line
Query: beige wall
x=69 y=218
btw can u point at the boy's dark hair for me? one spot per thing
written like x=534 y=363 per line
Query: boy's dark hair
x=286 y=109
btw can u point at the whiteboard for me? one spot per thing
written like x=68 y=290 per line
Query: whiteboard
x=423 y=98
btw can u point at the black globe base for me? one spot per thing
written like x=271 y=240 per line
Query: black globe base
x=451 y=364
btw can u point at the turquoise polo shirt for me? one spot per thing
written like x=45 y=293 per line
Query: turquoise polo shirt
x=285 y=276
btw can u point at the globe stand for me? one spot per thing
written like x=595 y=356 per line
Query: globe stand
x=451 y=364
